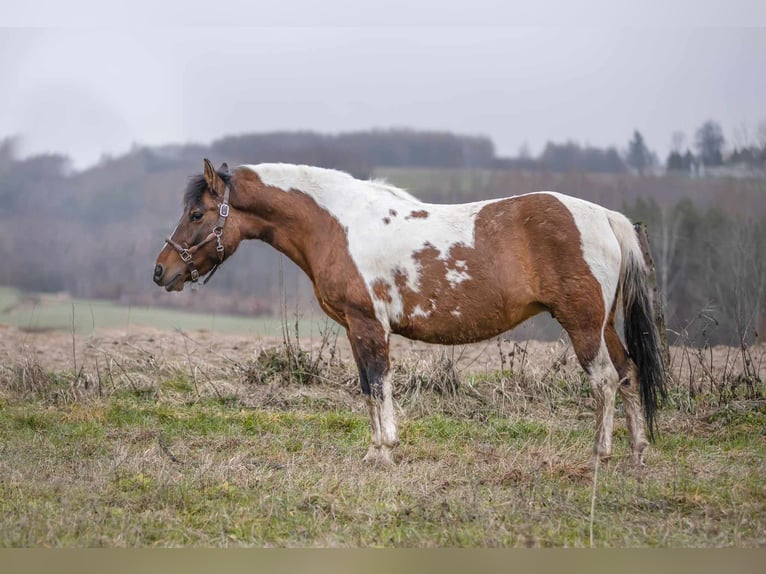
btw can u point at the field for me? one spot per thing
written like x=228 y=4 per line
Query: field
x=134 y=435
x=59 y=311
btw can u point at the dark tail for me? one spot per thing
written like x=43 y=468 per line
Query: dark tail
x=641 y=334
x=642 y=337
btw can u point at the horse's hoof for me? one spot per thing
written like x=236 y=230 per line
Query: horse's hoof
x=387 y=456
x=379 y=456
x=599 y=459
x=372 y=456
x=637 y=459
x=637 y=454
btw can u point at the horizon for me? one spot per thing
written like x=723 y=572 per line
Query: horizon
x=520 y=87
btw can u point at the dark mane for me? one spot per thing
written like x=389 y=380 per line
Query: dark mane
x=198 y=186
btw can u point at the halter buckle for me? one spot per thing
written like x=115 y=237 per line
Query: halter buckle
x=194 y=274
x=185 y=255
x=223 y=210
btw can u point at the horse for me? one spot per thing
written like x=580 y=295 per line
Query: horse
x=383 y=262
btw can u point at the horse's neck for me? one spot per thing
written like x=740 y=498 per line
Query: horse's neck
x=328 y=206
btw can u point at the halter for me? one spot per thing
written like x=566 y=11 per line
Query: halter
x=187 y=254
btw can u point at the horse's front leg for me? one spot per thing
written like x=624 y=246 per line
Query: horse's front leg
x=369 y=343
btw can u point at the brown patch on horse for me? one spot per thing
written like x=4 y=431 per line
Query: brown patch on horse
x=526 y=258
x=392 y=212
x=419 y=214
x=381 y=290
x=614 y=346
x=386 y=220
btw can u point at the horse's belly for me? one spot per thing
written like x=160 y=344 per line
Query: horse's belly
x=459 y=327
x=466 y=323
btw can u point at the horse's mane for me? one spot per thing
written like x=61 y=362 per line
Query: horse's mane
x=197 y=187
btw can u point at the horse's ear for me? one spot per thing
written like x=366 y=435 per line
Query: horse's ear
x=211 y=177
x=224 y=168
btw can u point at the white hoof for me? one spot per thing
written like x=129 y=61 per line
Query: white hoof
x=380 y=456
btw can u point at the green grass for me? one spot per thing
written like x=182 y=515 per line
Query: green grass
x=96 y=473
x=50 y=313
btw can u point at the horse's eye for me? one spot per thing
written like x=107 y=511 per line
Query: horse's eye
x=196 y=216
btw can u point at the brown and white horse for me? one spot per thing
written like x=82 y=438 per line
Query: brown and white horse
x=383 y=262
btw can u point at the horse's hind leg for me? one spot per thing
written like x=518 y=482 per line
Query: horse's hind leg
x=628 y=390
x=586 y=334
x=604 y=382
x=369 y=344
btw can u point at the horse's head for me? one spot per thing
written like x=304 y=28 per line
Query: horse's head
x=206 y=235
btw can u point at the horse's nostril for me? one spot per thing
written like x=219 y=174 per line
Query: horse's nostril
x=158 y=271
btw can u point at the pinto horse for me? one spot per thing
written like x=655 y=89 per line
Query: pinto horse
x=383 y=262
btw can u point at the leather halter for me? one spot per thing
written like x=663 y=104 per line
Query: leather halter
x=187 y=254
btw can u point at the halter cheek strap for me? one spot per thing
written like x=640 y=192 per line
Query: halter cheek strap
x=187 y=254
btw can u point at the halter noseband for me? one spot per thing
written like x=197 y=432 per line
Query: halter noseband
x=187 y=254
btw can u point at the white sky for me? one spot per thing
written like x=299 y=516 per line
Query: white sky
x=573 y=73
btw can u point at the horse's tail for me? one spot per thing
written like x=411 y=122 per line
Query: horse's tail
x=641 y=333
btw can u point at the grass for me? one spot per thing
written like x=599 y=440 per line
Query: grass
x=98 y=476
x=150 y=456
x=50 y=312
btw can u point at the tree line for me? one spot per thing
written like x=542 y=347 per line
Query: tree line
x=710 y=144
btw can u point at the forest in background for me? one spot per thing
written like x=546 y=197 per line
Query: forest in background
x=95 y=233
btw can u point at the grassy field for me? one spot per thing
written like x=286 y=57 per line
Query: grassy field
x=160 y=440
x=40 y=312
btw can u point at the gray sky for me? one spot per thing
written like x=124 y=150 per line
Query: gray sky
x=94 y=90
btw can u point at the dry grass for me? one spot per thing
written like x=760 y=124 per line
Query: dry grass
x=197 y=439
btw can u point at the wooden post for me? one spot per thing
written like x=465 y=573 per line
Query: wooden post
x=659 y=311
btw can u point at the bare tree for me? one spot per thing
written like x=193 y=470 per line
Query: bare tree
x=740 y=282
x=666 y=258
x=741 y=137
x=709 y=141
x=638 y=157
x=678 y=142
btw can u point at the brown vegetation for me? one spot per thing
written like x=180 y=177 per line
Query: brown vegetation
x=142 y=437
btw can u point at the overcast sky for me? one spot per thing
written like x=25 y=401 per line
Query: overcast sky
x=89 y=91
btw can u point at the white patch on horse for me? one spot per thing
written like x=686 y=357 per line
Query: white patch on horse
x=600 y=247
x=380 y=249
x=456 y=277
x=418 y=311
